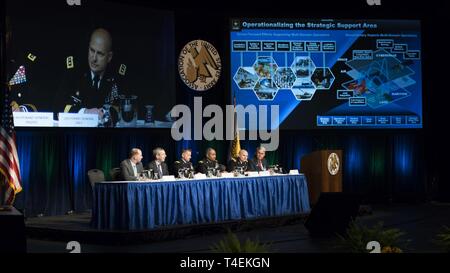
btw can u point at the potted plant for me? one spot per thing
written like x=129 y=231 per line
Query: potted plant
x=232 y=244
x=443 y=239
x=358 y=237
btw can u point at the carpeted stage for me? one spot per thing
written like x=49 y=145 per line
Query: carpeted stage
x=420 y=222
x=76 y=227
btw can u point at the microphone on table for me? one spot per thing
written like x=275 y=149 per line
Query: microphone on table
x=277 y=168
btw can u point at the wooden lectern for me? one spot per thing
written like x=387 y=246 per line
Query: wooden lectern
x=323 y=171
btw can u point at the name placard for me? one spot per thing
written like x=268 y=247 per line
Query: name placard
x=78 y=120
x=167 y=178
x=200 y=176
x=227 y=175
x=33 y=119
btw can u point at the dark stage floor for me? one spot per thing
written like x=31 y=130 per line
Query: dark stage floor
x=287 y=235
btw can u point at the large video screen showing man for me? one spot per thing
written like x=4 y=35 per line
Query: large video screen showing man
x=97 y=64
x=330 y=73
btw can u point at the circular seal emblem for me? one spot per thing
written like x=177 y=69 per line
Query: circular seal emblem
x=199 y=65
x=333 y=164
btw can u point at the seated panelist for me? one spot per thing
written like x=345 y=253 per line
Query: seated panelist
x=210 y=162
x=184 y=162
x=132 y=167
x=240 y=162
x=259 y=162
x=158 y=165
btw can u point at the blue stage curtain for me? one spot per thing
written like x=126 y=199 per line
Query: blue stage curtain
x=44 y=174
x=409 y=172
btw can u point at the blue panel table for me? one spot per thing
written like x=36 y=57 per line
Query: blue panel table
x=148 y=205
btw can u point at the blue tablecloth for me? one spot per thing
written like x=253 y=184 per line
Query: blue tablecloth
x=137 y=206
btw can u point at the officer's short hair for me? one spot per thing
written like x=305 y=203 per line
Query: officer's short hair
x=209 y=149
x=243 y=150
x=157 y=151
x=185 y=150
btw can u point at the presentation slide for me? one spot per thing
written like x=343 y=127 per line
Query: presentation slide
x=329 y=73
x=94 y=64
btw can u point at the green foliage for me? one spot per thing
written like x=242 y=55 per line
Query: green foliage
x=443 y=239
x=357 y=236
x=231 y=244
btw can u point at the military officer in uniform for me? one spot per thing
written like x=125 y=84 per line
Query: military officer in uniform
x=95 y=91
x=185 y=161
x=240 y=162
x=210 y=162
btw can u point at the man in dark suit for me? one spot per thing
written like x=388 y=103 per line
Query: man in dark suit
x=258 y=163
x=158 y=165
x=90 y=91
x=240 y=162
x=210 y=162
x=184 y=162
x=132 y=167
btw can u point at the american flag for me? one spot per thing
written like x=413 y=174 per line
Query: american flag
x=235 y=145
x=9 y=161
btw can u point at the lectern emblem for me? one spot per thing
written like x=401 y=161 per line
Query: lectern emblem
x=333 y=164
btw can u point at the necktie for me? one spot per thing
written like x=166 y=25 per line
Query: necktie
x=260 y=166
x=160 y=170
x=95 y=82
x=135 y=170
